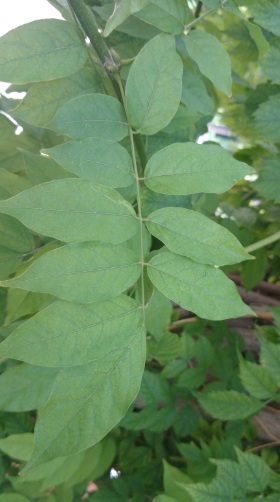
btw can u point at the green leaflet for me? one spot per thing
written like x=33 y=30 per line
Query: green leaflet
x=88 y=400
x=168 y=16
x=269 y=178
x=11 y=184
x=81 y=272
x=186 y=168
x=15 y=242
x=216 y=491
x=271 y=61
x=202 y=289
x=13 y=497
x=154 y=85
x=270 y=358
x=74 y=210
x=257 y=380
x=98 y=160
x=267 y=119
x=25 y=387
x=66 y=334
x=91 y=115
x=175 y=482
x=40 y=169
x=44 y=98
x=192 y=234
x=266 y=14
x=255 y=471
x=232 y=474
x=229 y=404
x=164 y=498
x=41 y=50
x=18 y=446
x=211 y=58
x=122 y=10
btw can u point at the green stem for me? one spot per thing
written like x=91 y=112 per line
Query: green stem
x=134 y=161
x=264 y=242
x=87 y=21
x=198 y=19
x=141 y=153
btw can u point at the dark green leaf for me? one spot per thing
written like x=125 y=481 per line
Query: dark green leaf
x=229 y=405
x=15 y=242
x=266 y=14
x=271 y=61
x=257 y=380
x=256 y=472
x=267 y=119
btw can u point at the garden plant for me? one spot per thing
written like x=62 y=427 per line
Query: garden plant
x=139 y=268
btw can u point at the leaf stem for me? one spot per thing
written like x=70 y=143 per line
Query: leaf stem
x=264 y=242
x=134 y=161
x=198 y=19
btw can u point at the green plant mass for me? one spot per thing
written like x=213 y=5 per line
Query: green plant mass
x=133 y=368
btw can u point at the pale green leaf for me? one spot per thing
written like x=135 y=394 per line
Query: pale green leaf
x=154 y=85
x=91 y=115
x=87 y=401
x=25 y=387
x=175 y=482
x=41 y=50
x=216 y=491
x=13 y=497
x=256 y=33
x=269 y=178
x=164 y=498
x=66 y=334
x=257 y=380
x=194 y=92
x=267 y=119
x=158 y=315
x=266 y=13
x=166 y=349
x=74 y=210
x=230 y=472
x=11 y=184
x=202 y=289
x=229 y=404
x=270 y=63
x=211 y=58
x=122 y=10
x=192 y=234
x=270 y=358
x=81 y=272
x=18 y=446
x=168 y=16
x=186 y=168
x=98 y=160
x=43 y=99
x=15 y=242
x=40 y=169
x=255 y=471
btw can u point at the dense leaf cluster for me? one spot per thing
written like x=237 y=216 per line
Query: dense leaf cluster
x=113 y=218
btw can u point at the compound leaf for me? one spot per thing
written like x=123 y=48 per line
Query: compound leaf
x=229 y=405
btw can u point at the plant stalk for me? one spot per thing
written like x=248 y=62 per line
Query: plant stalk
x=264 y=242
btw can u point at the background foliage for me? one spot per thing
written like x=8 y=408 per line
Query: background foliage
x=198 y=425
